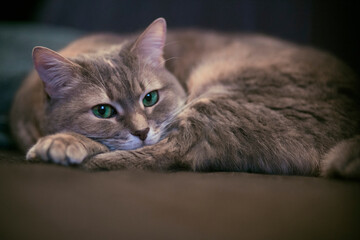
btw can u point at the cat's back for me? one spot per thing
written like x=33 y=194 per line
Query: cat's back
x=195 y=55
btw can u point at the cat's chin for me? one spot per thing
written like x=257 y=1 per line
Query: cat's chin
x=131 y=147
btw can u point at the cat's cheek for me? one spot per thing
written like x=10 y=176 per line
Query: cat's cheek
x=153 y=137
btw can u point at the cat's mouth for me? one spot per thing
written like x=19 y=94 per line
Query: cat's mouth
x=131 y=142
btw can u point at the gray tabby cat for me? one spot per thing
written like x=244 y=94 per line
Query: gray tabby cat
x=223 y=102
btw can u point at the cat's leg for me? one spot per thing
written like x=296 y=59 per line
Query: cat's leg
x=343 y=160
x=166 y=155
x=64 y=148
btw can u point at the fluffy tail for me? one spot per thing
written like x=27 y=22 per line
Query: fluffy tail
x=343 y=160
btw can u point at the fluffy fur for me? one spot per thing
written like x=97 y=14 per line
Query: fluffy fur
x=227 y=102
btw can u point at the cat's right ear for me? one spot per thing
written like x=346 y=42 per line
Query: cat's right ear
x=54 y=70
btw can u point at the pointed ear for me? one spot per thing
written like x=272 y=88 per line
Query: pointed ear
x=56 y=71
x=150 y=44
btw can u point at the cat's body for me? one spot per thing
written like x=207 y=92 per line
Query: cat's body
x=238 y=103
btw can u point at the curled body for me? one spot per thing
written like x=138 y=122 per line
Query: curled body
x=190 y=99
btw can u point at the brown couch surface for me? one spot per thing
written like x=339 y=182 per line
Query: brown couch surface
x=45 y=201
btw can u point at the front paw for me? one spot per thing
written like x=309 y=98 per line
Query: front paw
x=64 y=149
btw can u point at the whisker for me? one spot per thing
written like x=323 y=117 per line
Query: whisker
x=167 y=124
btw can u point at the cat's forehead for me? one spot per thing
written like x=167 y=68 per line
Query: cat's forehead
x=120 y=75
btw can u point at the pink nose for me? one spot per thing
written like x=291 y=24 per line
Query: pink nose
x=142 y=134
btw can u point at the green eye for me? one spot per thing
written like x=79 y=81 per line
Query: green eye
x=151 y=99
x=103 y=111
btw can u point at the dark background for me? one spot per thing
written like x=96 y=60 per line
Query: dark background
x=329 y=25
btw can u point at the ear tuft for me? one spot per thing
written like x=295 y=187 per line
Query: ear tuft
x=54 y=70
x=151 y=42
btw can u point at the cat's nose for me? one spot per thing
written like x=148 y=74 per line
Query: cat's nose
x=142 y=134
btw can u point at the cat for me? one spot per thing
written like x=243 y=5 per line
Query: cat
x=190 y=100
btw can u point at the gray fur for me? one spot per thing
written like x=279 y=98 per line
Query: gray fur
x=228 y=102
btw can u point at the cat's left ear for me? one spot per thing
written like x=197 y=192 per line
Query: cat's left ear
x=150 y=44
x=56 y=71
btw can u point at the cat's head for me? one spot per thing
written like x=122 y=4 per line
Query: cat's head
x=123 y=97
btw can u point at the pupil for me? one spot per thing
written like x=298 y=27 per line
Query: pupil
x=148 y=97
x=102 y=110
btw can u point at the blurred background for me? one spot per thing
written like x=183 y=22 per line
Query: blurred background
x=331 y=25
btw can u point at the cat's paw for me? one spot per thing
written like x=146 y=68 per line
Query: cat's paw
x=343 y=160
x=64 y=149
x=115 y=160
